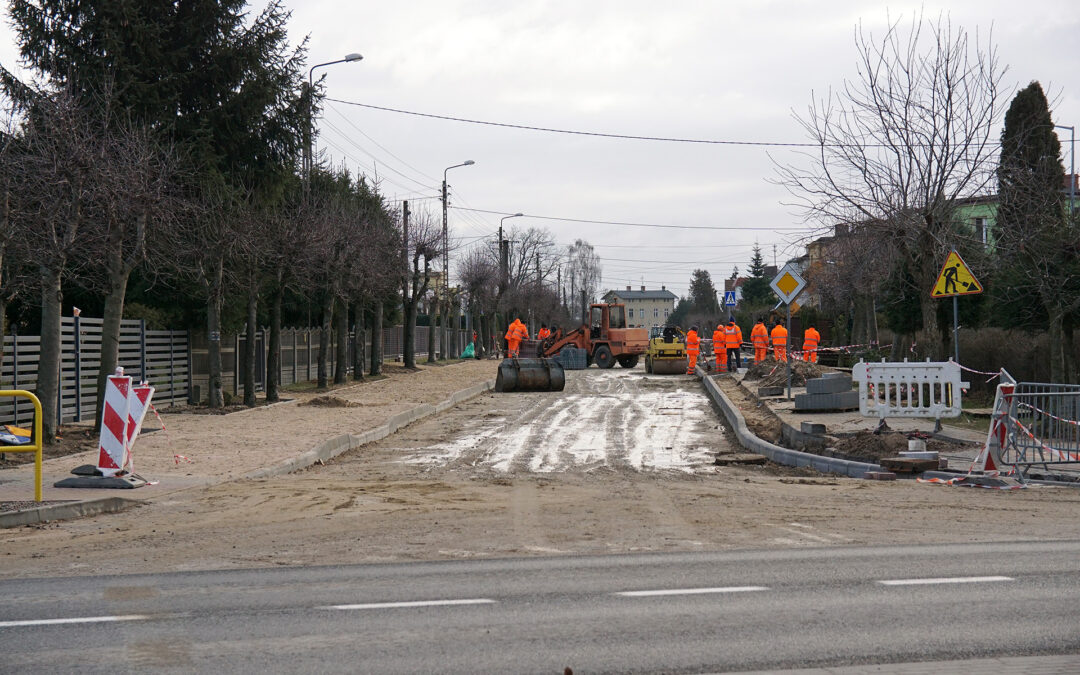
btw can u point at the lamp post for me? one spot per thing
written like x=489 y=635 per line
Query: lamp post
x=309 y=160
x=1072 y=165
x=446 y=262
x=503 y=260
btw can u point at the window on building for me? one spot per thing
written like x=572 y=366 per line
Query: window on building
x=630 y=313
x=656 y=313
x=980 y=230
x=667 y=313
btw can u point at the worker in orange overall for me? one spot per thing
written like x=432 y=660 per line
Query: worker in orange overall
x=719 y=348
x=759 y=335
x=779 y=341
x=733 y=339
x=514 y=335
x=693 y=347
x=543 y=333
x=810 y=341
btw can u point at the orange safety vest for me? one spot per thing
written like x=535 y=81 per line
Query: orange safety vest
x=811 y=338
x=760 y=335
x=718 y=339
x=779 y=337
x=543 y=334
x=733 y=336
x=693 y=342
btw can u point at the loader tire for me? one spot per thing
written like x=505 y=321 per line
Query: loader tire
x=628 y=361
x=603 y=357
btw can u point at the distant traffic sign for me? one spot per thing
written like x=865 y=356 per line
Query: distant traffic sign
x=955 y=279
x=729 y=298
x=788 y=283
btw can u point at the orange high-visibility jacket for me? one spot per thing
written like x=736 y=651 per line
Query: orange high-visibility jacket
x=733 y=336
x=693 y=342
x=811 y=338
x=759 y=335
x=779 y=337
x=718 y=339
x=543 y=334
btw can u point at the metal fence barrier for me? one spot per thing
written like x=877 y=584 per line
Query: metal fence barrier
x=1037 y=425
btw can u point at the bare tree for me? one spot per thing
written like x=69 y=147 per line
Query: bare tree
x=899 y=145
x=583 y=269
x=423 y=245
x=480 y=278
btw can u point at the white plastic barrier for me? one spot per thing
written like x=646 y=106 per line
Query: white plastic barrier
x=926 y=390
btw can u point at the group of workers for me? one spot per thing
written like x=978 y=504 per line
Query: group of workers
x=730 y=337
x=518 y=332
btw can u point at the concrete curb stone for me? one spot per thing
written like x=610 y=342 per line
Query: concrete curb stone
x=774 y=452
x=45 y=514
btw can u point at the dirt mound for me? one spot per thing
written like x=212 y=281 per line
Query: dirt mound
x=867 y=445
x=330 y=402
x=773 y=373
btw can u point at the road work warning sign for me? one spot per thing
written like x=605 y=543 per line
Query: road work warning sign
x=955 y=279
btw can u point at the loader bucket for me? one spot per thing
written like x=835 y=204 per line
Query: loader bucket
x=530 y=375
x=669 y=366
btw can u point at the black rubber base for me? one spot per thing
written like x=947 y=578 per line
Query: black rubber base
x=128 y=482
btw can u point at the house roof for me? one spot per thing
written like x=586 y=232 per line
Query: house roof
x=642 y=295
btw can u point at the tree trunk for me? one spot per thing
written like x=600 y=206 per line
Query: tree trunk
x=1057 y=344
x=48 y=382
x=112 y=315
x=431 y=337
x=408 y=347
x=359 y=361
x=1068 y=347
x=930 y=342
x=444 y=343
x=324 y=341
x=273 y=356
x=252 y=332
x=3 y=326
x=341 y=363
x=376 y=338
x=215 y=396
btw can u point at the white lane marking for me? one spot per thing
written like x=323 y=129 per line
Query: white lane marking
x=692 y=591
x=942 y=580
x=416 y=603
x=77 y=619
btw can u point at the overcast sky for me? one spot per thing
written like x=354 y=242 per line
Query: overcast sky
x=701 y=70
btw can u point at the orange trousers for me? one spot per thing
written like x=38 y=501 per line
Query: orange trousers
x=781 y=353
x=811 y=355
x=721 y=360
x=760 y=353
x=691 y=362
x=512 y=348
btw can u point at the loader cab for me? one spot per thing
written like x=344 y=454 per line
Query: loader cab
x=604 y=317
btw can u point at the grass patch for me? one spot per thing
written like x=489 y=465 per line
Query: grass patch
x=969 y=423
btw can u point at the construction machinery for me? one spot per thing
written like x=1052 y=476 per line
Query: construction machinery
x=666 y=354
x=605 y=339
x=530 y=375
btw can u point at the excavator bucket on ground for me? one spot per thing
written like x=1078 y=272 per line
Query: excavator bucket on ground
x=530 y=375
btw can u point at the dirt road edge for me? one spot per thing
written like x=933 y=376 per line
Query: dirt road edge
x=777 y=454
x=333 y=447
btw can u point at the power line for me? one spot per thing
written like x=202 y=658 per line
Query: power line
x=664 y=139
x=613 y=222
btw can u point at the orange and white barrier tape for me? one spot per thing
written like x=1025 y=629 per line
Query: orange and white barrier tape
x=1060 y=454
x=958 y=482
x=1050 y=415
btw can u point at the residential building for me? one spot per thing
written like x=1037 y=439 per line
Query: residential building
x=644 y=308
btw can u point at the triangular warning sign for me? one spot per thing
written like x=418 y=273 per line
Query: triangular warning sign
x=955 y=279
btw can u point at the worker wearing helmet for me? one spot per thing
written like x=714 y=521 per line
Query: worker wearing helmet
x=693 y=347
x=719 y=348
x=779 y=341
x=811 y=338
x=759 y=335
x=733 y=340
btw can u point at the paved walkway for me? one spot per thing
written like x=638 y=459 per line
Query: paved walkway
x=218 y=448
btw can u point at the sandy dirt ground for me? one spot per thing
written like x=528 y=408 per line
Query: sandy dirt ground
x=619 y=462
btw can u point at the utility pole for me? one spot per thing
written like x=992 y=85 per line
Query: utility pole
x=445 y=275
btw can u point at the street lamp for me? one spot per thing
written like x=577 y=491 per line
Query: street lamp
x=446 y=262
x=308 y=146
x=1072 y=165
x=502 y=253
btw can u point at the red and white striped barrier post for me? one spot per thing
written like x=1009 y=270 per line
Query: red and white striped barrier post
x=139 y=402
x=113 y=447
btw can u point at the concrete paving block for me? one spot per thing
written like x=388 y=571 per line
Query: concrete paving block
x=815 y=428
x=770 y=391
x=879 y=475
x=828 y=385
x=845 y=400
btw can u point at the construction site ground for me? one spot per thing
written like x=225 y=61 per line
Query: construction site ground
x=619 y=462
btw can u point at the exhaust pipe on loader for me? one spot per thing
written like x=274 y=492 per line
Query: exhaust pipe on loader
x=530 y=375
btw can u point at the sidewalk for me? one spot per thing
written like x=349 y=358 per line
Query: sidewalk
x=199 y=450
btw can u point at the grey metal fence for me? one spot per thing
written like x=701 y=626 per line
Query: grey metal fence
x=1042 y=426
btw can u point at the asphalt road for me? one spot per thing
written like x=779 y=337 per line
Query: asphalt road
x=696 y=612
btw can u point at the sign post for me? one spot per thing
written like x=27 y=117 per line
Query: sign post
x=955 y=279
x=787 y=285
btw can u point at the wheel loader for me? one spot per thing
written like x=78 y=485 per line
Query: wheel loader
x=666 y=354
x=605 y=339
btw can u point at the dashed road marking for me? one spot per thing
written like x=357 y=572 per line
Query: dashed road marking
x=942 y=580
x=415 y=603
x=76 y=619
x=691 y=591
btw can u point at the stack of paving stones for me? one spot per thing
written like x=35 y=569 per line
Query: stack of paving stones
x=572 y=358
x=831 y=391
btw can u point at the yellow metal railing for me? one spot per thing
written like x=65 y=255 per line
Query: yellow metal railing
x=35 y=446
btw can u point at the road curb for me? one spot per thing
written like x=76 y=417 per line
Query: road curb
x=333 y=447
x=69 y=511
x=777 y=454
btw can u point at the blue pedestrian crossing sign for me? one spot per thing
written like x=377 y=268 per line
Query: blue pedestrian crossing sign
x=729 y=298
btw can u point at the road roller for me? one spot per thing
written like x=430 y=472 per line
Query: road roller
x=530 y=375
x=666 y=354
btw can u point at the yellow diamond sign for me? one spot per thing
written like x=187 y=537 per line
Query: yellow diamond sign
x=788 y=283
